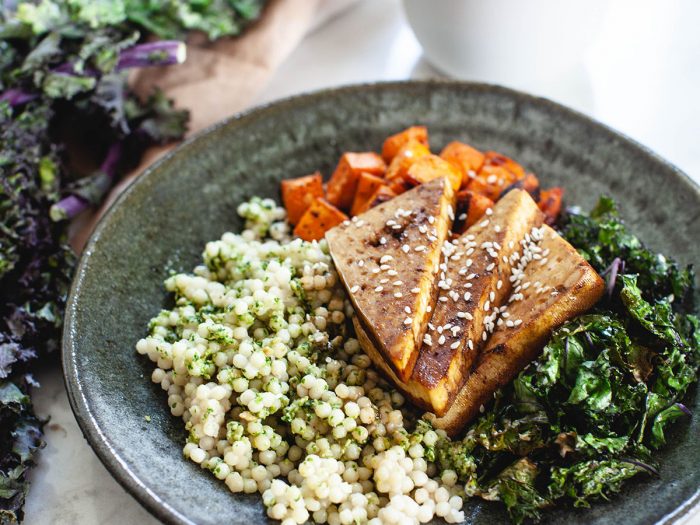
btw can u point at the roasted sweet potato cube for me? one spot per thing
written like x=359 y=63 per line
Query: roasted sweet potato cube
x=367 y=185
x=383 y=194
x=550 y=204
x=470 y=208
x=530 y=184
x=431 y=167
x=407 y=155
x=491 y=181
x=469 y=160
x=493 y=158
x=393 y=144
x=343 y=183
x=318 y=219
x=299 y=193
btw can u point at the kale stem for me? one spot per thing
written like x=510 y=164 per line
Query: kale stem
x=73 y=204
x=16 y=97
x=162 y=53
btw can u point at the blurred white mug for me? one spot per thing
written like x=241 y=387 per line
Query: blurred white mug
x=521 y=43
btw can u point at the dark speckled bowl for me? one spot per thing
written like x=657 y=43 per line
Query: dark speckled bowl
x=163 y=220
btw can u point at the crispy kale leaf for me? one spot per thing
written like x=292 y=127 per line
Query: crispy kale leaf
x=588 y=413
x=602 y=236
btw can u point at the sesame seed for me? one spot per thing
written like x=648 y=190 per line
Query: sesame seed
x=392 y=273
x=398 y=295
x=359 y=223
x=492 y=296
x=419 y=248
x=442 y=299
x=462 y=217
x=428 y=308
x=382 y=241
x=407 y=309
x=385 y=259
x=487 y=306
x=441 y=340
x=455 y=345
x=406 y=248
x=509 y=323
x=431 y=219
x=489 y=211
x=484 y=336
x=375 y=270
x=518 y=322
x=361 y=263
x=428 y=340
x=383 y=281
x=384 y=267
x=470 y=344
x=471 y=276
x=354 y=289
x=490 y=267
x=484 y=223
x=467 y=296
x=499 y=284
x=467 y=285
x=408 y=320
x=378 y=288
x=397 y=283
x=497 y=228
x=430 y=325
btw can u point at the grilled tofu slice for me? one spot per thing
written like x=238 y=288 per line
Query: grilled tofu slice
x=474 y=281
x=388 y=259
x=561 y=285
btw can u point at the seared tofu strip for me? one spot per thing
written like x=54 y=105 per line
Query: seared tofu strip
x=554 y=287
x=474 y=281
x=388 y=258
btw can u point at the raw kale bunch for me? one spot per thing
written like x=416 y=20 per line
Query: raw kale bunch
x=69 y=127
x=589 y=413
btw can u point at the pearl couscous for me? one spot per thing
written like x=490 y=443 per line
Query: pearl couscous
x=259 y=360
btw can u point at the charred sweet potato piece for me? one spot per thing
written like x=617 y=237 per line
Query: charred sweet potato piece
x=299 y=193
x=469 y=160
x=383 y=194
x=550 y=204
x=529 y=183
x=432 y=167
x=406 y=156
x=318 y=219
x=367 y=185
x=343 y=183
x=470 y=208
x=497 y=173
x=393 y=144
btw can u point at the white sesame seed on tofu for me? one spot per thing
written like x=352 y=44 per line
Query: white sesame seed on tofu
x=455 y=345
x=490 y=267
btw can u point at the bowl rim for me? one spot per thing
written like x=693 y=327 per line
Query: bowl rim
x=79 y=399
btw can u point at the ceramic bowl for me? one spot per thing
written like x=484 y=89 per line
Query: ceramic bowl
x=162 y=221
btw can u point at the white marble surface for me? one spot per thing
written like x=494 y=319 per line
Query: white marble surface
x=641 y=76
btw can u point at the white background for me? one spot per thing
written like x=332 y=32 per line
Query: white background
x=641 y=76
